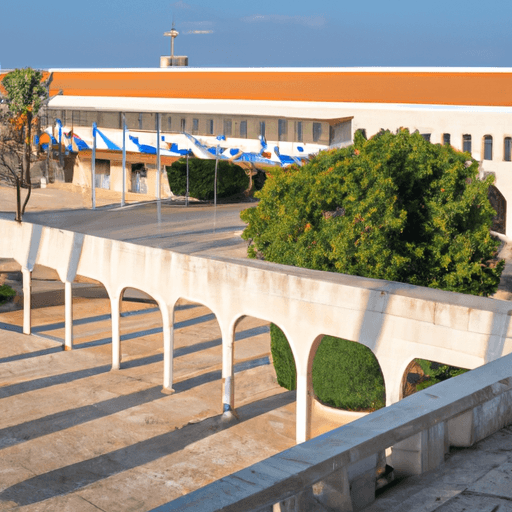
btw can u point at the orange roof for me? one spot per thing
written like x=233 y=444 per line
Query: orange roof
x=414 y=87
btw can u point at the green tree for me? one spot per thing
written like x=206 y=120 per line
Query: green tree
x=25 y=94
x=394 y=207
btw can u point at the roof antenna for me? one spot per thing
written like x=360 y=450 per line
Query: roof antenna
x=173 y=33
x=173 y=61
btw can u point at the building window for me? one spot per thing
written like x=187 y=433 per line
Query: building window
x=426 y=136
x=262 y=128
x=507 y=149
x=282 y=129
x=446 y=139
x=169 y=123
x=228 y=126
x=140 y=121
x=183 y=124
x=195 y=125
x=209 y=127
x=317 y=131
x=298 y=131
x=466 y=143
x=243 y=129
x=487 y=147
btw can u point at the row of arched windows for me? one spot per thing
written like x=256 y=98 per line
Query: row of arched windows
x=467 y=146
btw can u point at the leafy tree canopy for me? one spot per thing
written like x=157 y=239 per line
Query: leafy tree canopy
x=25 y=94
x=394 y=207
x=25 y=91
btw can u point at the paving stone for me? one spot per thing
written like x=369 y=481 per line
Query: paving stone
x=497 y=482
x=476 y=503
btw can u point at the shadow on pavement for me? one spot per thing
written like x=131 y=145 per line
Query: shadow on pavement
x=76 y=476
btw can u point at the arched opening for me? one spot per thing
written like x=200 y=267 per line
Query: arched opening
x=466 y=143
x=346 y=382
x=422 y=373
x=88 y=304
x=258 y=399
x=47 y=302
x=140 y=328
x=487 y=147
x=499 y=203
x=11 y=288
x=258 y=395
x=197 y=355
x=507 y=149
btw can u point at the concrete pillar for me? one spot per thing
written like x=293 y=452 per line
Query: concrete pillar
x=421 y=452
x=27 y=300
x=393 y=371
x=168 y=328
x=333 y=492
x=228 y=375
x=115 y=303
x=303 y=411
x=68 y=316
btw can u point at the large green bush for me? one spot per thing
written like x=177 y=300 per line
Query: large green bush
x=231 y=178
x=394 y=207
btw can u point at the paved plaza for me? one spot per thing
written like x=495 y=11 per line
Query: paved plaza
x=76 y=436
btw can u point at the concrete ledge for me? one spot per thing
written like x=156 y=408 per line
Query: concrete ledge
x=423 y=424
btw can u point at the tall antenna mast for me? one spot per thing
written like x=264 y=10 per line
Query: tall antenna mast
x=172 y=60
x=173 y=33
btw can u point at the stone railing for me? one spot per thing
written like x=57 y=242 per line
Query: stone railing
x=339 y=470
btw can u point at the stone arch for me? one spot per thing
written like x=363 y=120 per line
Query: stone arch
x=196 y=329
x=499 y=203
x=56 y=291
x=116 y=300
x=251 y=353
x=252 y=347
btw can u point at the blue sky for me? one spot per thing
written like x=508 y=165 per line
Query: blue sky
x=129 y=33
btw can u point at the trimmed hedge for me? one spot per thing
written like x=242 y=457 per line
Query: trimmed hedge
x=282 y=356
x=231 y=178
x=345 y=374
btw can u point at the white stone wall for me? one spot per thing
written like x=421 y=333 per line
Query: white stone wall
x=398 y=322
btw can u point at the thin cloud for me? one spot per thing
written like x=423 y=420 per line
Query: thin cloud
x=197 y=24
x=180 y=5
x=308 y=21
x=199 y=32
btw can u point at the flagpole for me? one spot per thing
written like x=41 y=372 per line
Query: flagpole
x=186 y=194
x=158 y=164
x=124 y=160
x=93 y=166
x=215 y=187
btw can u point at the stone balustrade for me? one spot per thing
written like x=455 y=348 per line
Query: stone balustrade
x=338 y=470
